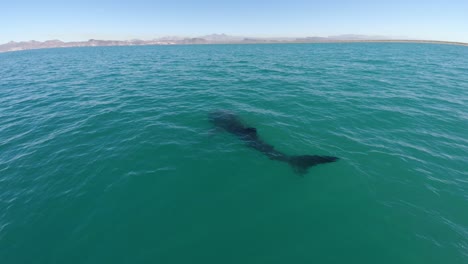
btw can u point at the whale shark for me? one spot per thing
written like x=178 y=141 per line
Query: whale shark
x=230 y=122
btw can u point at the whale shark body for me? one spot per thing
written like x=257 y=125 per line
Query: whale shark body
x=231 y=123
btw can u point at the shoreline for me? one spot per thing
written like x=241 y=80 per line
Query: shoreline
x=105 y=43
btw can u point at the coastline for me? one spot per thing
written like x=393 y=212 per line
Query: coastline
x=33 y=45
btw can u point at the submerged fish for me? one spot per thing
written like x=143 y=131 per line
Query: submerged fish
x=233 y=124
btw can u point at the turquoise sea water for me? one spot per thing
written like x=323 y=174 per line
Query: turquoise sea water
x=107 y=154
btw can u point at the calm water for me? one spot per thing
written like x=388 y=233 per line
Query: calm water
x=107 y=155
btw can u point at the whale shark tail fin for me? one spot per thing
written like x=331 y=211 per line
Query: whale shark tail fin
x=301 y=164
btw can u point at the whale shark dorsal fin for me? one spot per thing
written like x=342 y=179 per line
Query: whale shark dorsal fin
x=251 y=130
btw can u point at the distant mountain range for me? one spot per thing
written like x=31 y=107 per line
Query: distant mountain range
x=208 y=39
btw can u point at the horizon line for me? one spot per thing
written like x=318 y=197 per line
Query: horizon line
x=346 y=36
x=198 y=41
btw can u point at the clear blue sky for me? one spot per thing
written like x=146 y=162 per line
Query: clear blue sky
x=125 y=19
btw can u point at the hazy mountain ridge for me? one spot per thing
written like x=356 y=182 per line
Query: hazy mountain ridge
x=207 y=39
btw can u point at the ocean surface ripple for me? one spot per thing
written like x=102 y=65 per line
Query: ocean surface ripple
x=107 y=156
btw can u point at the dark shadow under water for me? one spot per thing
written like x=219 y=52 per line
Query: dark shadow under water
x=231 y=123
